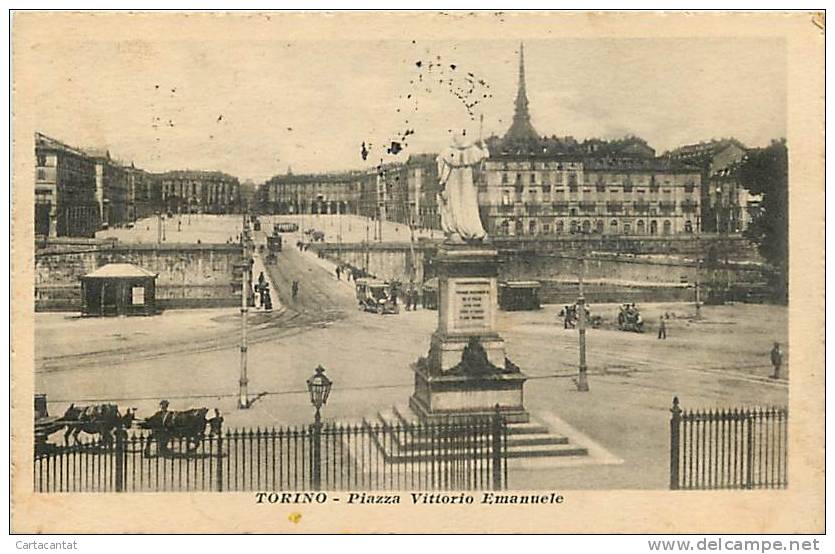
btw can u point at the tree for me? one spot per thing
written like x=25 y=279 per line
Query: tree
x=765 y=171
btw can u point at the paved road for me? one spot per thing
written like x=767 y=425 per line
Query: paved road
x=322 y=300
x=321 y=297
x=191 y=358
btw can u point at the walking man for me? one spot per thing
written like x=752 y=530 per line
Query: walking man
x=295 y=289
x=776 y=360
x=662 y=329
x=338 y=273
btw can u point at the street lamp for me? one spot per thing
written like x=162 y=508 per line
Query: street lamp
x=246 y=277
x=319 y=387
x=582 y=381
x=698 y=273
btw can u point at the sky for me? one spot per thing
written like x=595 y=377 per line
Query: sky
x=254 y=108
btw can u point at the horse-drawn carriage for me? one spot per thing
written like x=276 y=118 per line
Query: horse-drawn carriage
x=106 y=421
x=629 y=319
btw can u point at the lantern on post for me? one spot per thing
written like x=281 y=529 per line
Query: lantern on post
x=319 y=387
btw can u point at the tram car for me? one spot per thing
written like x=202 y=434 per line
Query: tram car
x=285 y=227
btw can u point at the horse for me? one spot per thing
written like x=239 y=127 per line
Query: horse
x=96 y=419
x=187 y=424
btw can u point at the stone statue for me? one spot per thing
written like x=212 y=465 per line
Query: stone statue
x=458 y=200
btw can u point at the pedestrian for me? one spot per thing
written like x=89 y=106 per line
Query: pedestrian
x=776 y=360
x=338 y=274
x=662 y=328
x=414 y=299
x=267 y=299
x=258 y=296
x=295 y=289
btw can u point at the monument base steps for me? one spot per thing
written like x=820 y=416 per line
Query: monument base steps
x=526 y=440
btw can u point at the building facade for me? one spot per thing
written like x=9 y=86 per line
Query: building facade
x=533 y=185
x=188 y=191
x=78 y=192
x=324 y=193
x=65 y=190
x=422 y=178
x=143 y=193
x=112 y=188
x=404 y=192
x=726 y=207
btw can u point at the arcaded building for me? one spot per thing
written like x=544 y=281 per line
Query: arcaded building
x=533 y=185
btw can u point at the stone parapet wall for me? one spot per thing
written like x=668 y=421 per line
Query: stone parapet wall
x=189 y=275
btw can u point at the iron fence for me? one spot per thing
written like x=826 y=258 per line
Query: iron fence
x=728 y=448
x=460 y=455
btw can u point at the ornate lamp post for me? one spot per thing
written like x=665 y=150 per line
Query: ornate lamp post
x=246 y=276
x=582 y=377
x=319 y=387
x=698 y=274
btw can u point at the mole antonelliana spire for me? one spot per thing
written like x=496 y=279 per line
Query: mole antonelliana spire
x=521 y=130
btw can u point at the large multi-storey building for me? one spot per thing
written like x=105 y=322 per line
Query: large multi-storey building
x=78 y=192
x=143 y=193
x=533 y=185
x=404 y=192
x=112 y=188
x=210 y=192
x=323 y=193
x=726 y=205
x=65 y=190
x=422 y=179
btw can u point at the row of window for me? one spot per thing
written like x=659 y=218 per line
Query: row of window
x=571 y=178
x=585 y=227
x=546 y=189
x=532 y=165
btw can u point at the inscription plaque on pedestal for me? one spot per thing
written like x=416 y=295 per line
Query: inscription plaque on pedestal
x=471 y=305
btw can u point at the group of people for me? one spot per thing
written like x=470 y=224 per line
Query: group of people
x=351 y=272
x=412 y=295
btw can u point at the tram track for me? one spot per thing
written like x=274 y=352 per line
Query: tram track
x=317 y=305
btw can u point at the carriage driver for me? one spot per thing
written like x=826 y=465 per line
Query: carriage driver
x=163 y=415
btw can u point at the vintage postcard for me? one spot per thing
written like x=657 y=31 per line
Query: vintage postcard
x=417 y=272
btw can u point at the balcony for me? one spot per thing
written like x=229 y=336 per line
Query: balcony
x=688 y=206
x=560 y=205
x=667 y=206
x=532 y=208
x=614 y=207
x=588 y=206
x=641 y=207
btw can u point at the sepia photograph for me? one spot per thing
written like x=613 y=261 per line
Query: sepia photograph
x=488 y=261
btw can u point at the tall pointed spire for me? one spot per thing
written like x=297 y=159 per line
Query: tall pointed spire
x=521 y=93
x=521 y=130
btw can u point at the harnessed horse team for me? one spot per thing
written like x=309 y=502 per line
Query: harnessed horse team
x=165 y=425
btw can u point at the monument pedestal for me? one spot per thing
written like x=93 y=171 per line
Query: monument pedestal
x=467 y=373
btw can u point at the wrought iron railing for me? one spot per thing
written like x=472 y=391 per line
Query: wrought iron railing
x=739 y=448
x=454 y=455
